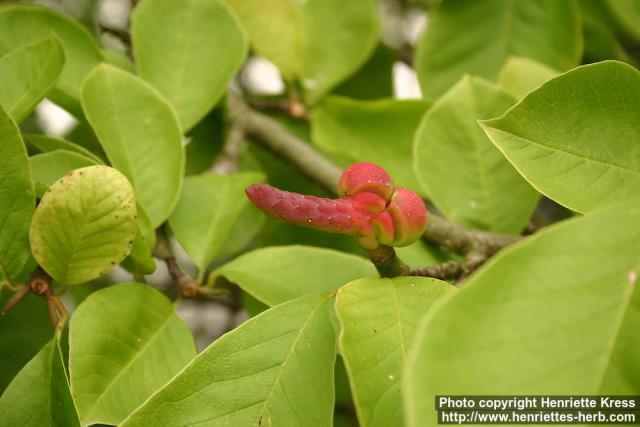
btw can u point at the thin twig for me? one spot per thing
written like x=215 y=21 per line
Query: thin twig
x=268 y=132
x=446 y=271
x=227 y=161
x=188 y=286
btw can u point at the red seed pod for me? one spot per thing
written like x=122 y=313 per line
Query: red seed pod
x=360 y=177
x=409 y=216
x=369 y=201
x=334 y=216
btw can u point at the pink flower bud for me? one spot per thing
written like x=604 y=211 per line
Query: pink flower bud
x=370 y=208
x=409 y=216
x=334 y=216
x=360 y=177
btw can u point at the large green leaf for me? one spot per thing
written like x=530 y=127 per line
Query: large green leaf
x=46 y=144
x=140 y=134
x=189 y=50
x=379 y=318
x=318 y=42
x=17 y=200
x=556 y=314
x=39 y=395
x=27 y=75
x=380 y=132
x=467 y=178
x=84 y=225
x=477 y=37
x=22 y=24
x=275 y=369
x=206 y=212
x=280 y=273
x=125 y=342
x=47 y=168
x=577 y=138
x=520 y=76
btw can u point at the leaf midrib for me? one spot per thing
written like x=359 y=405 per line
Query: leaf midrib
x=285 y=361
x=125 y=368
x=562 y=150
x=630 y=291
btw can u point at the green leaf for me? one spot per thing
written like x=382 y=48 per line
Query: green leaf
x=205 y=141
x=421 y=254
x=520 y=76
x=275 y=369
x=577 y=138
x=118 y=59
x=379 y=318
x=24 y=331
x=17 y=200
x=245 y=229
x=318 y=42
x=22 y=24
x=600 y=32
x=487 y=32
x=379 y=131
x=201 y=228
x=140 y=134
x=140 y=260
x=467 y=178
x=46 y=144
x=556 y=314
x=146 y=344
x=374 y=79
x=39 y=395
x=84 y=225
x=626 y=14
x=280 y=273
x=27 y=75
x=49 y=167
x=189 y=50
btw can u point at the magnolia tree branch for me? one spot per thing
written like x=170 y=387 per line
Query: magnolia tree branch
x=189 y=287
x=474 y=244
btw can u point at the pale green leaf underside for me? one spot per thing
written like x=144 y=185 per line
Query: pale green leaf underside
x=47 y=168
x=520 y=76
x=467 y=178
x=17 y=200
x=207 y=210
x=280 y=273
x=547 y=316
x=84 y=225
x=24 y=24
x=275 y=369
x=379 y=318
x=39 y=395
x=125 y=342
x=477 y=37
x=309 y=41
x=140 y=134
x=379 y=132
x=27 y=75
x=577 y=138
x=203 y=43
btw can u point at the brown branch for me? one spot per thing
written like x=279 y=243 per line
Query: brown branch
x=275 y=137
x=122 y=35
x=227 y=161
x=40 y=284
x=188 y=286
